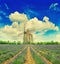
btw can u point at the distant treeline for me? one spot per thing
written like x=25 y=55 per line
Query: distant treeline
x=14 y=42
x=48 y=43
x=8 y=42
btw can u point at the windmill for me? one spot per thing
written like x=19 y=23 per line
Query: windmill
x=27 y=35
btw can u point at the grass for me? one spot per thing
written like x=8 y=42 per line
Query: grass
x=37 y=59
x=52 y=52
x=8 y=51
x=20 y=59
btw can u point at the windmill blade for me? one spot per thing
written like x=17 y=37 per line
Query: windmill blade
x=20 y=34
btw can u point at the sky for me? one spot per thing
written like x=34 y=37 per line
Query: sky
x=42 y=18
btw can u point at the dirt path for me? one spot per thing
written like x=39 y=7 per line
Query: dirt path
x=29 y=59
x=42 y=57
x=11 y=59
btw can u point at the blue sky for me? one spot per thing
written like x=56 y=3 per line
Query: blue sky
x=32 y=8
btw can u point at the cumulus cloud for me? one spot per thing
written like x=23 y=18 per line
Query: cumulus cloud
x=15 y=30
x=37 y=25
x=15 y=25
x=11 y=33
x=18 y=17
x=33 y=24
x=38 y=37
x=43 y=38
x=57 y=37
x=46 y=19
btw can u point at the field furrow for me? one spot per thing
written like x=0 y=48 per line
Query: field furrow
x=29 y=58
x=11 y=59
x=42 y=57
x=29 y=54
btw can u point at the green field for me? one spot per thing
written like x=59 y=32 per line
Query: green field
x=50 y=52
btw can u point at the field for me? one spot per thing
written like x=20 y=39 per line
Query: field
x=29 y=54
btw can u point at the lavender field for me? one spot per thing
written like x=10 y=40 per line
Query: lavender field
x=35 y=54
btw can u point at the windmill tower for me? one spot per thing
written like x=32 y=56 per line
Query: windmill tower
x=28 y=37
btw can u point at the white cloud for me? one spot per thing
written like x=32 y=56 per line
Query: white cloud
x=37 y=25
x=54 y=7
x=46 y=19
x=38 y=38
x=15 y=24
x=18 y=17
x=15 y=31
x=57 y=37
x=47 y=38
x=33 y=24
x=11 y=33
